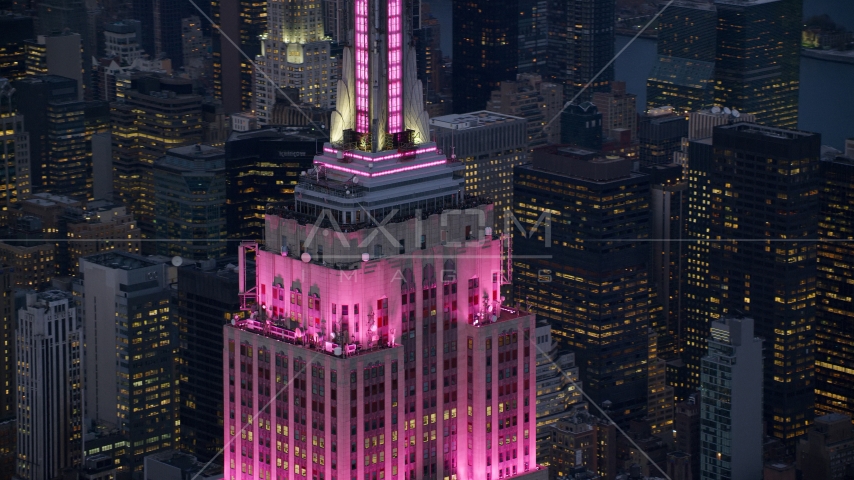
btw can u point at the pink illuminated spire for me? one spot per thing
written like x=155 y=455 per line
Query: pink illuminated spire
x=379 y=94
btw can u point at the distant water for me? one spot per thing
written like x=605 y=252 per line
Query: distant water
x=826 y=101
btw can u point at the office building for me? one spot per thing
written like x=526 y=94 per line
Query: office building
x=189 y=203
x=772 y=281
x=156 y=114
x=40 y=91
x=32 y=263
x=485 y=51
x=581 y=126
x=207 y=298
x=490 y=145
x=161 y=28
x=683 y=74
x=69 y=165
x=8 y=399
x=619 y=111
x=123 y=40
x=660 y=134
x=131 y=340
x=48 y=348
x=56 y=54
x=263 y=167
x=98 y=227
x=828 y=449
x=296 y=54
x=14 y=30
x=576 y=263
x=834 y=340
x=572 y=447
x=757 y=62
x=15 y=154
x=580 y=45
x=359 y=348
x=244 y=21
x=536 y=101
x=731 y=402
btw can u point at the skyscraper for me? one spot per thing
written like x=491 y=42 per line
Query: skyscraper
x=533 y=99
x=683 y=74
x=15 y=154
x=731 y=402
x=56 y=54
x=414 y=342
x=834 y=338
x=581 y=126
x=49 y=386
x=754 y=253
x=490 y=145
x=14 y=30
x=660 y=134
x=156 y=114
x=263 y=167
x=580 y=45
x=486 y=49
x=207 y=298
x=189 y=202
x=295 y=54
x=161 y=28
x=131 y=340
x=243 y=21
x=40 y=91
x=757 y=64
x=586 y=270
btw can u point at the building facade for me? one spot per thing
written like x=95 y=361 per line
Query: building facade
x=833 y=339
x=757 y=61
x=207 y=299
x=189 y=203
x=731 y=402
x=533 y=99
x=683 y=74
x=490 y=145
x=49 y=354
x=774 y=282
x=131 y=342
x=585 y=270
x=295 y=54
x=154 y=115
x=244 y=21
x=398 y=344
x=14 y=156
x=263 y=167
x=8 y=395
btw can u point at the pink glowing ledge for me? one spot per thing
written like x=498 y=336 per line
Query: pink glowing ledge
x=390 y=156
x=380 y=174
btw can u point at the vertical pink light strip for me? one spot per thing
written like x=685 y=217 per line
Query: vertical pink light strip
x=363 y=109
x=395 y=66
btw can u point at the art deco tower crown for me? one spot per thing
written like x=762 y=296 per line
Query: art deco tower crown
x=380 y=105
